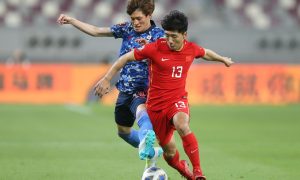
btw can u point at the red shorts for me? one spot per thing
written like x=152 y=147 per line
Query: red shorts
x=162 y=120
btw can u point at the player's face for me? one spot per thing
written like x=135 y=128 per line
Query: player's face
x=175 y=40
x=140 y=21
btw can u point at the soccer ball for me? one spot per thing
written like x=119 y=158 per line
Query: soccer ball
x=154 y=173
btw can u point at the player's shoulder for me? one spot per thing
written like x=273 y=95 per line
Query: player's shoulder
x=158 y=43
x=161 y=41
x=195 y=49
x=124 y=27
x=156 y=33
x=124 y=24
x=158 y=30
x=151 y=46
x=161 y=44
x=155 y=27
x=192 y=44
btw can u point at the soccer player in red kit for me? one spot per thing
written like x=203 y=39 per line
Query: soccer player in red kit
x=167 y=103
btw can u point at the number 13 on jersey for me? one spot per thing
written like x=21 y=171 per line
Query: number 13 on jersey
x=177 y=71
x=180 y=105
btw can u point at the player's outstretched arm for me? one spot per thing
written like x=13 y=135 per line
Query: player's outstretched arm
x=84 y=27
x=213 y=56
x=103 y=85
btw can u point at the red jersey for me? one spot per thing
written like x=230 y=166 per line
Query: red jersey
x=167 y=71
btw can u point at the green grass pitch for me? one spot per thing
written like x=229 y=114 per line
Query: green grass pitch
x=81 y=143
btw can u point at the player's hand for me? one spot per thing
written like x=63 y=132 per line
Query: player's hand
x=64 y=19
x=142 y=41
x=102 y=87
x=228 y=62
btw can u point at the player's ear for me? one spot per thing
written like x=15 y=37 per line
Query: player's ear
x=185 y=35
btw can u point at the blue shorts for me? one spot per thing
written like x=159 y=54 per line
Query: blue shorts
x=126 y=106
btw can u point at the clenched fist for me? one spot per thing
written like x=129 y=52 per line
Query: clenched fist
x=65 y=19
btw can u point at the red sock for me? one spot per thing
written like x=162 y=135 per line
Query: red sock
x=190 y=146
x=174 y=161
x=179 y=165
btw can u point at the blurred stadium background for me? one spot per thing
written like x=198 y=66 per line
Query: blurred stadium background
x=248 y=30
x=246 y=117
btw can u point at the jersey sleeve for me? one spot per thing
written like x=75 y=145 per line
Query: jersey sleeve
x=144 y=52
x=119 y=30
x=199 y=51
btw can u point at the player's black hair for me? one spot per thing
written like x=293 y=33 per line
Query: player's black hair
x=175 y=21
x=146 y=6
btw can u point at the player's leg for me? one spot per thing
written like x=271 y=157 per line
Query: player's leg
x=146 y=133
x=189 y=141
x=143 y=121
x=129 y=135
x=138 y=109
x=164 y=131
x=125 y=120
x=172 y=156
x=147 y=138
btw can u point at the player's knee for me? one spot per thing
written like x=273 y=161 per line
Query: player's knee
x=142 y=114
x=183 y=129
x=141 y=109
x=124 y=130
x=181 y=123
x=144 y=120
x=169 y=153
x=170 y=149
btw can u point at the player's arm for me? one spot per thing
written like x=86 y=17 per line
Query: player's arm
x=103 y=85
x=84 y=27
x=213 y=56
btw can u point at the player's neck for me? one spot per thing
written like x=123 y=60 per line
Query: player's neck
x=148 y=26
x=182 y=46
